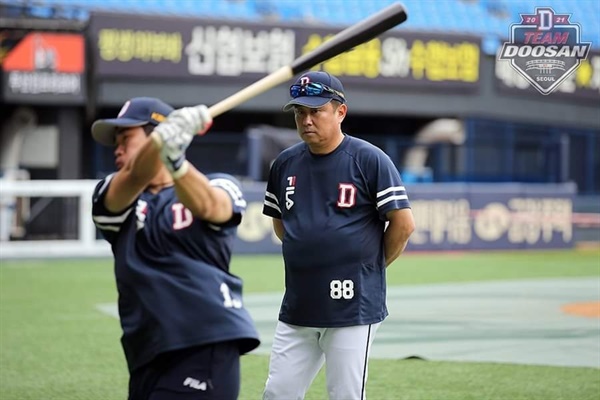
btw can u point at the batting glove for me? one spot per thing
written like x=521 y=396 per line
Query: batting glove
x=175 y=134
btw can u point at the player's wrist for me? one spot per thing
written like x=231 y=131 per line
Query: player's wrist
x=176 y=163
x=182 y=170
x=156 y=139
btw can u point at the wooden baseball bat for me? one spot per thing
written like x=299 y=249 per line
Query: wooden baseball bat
x=350 y=37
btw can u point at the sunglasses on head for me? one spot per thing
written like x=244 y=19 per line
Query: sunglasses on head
x=313 y=89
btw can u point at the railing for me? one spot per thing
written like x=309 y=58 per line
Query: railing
x=86 y=244
x=450 y=216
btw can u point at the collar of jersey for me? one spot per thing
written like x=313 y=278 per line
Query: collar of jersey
x=336 y=150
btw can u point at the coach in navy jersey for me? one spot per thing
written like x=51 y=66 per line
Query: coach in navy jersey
x=331 y=198
x=171 y=229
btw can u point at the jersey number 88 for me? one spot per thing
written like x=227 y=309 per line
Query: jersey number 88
x=341 y=289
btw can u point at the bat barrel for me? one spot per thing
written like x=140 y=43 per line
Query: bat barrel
x=352 y=36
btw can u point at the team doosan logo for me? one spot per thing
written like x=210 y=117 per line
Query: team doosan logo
x=545 y=48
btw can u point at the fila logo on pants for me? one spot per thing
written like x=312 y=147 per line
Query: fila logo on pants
x=194 y=384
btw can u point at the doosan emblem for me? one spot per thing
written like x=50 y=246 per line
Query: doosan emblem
x=545 y=48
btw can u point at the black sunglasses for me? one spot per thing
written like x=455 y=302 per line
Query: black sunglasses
x=314 y=89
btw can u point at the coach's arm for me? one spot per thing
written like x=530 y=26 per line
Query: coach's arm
x=278 y=228
x=401 y=225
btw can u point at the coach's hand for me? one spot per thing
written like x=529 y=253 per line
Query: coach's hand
x=175 y=134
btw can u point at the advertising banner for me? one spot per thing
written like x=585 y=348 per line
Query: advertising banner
x=176 y=48
x=456 y=217
x=44 y=67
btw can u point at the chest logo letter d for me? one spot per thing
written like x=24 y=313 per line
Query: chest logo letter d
x=347 y=195
x=182 y=217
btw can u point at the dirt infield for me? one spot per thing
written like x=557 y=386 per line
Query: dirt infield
x=589 y=309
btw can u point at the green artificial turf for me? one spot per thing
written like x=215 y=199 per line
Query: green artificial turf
x=55 y=344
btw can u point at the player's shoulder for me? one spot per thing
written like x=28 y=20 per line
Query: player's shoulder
x=290 y=152
x=363 y=149
x=102 y=185
x=230 y=184
x=221 y=176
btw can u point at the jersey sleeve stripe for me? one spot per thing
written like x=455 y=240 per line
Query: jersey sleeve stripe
x=105 y=184
x=221 y=182
x=385 y=201
x=238 y=202
x=104 y=227
x=273 y=205
x=231 y=188
x=391 y=189
x=272 y=196
x=116 y=219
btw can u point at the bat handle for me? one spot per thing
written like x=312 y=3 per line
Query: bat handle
x=268 y=82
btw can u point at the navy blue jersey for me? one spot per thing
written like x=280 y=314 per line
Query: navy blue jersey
x=175 y=290
x=333 y=208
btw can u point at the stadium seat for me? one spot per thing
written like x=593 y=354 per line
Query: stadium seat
x=489 y=18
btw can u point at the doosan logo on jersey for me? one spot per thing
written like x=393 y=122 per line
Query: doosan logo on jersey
x=347 y=195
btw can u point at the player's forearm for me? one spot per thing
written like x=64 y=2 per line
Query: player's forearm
x=278 y=228
x=131 y=180
x=394 y=246
x=400 y=227
x=203 y=200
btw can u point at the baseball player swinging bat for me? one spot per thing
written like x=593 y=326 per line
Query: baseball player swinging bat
x=350 y=37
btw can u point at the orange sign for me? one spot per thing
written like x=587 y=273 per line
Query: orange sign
x=58 y=52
